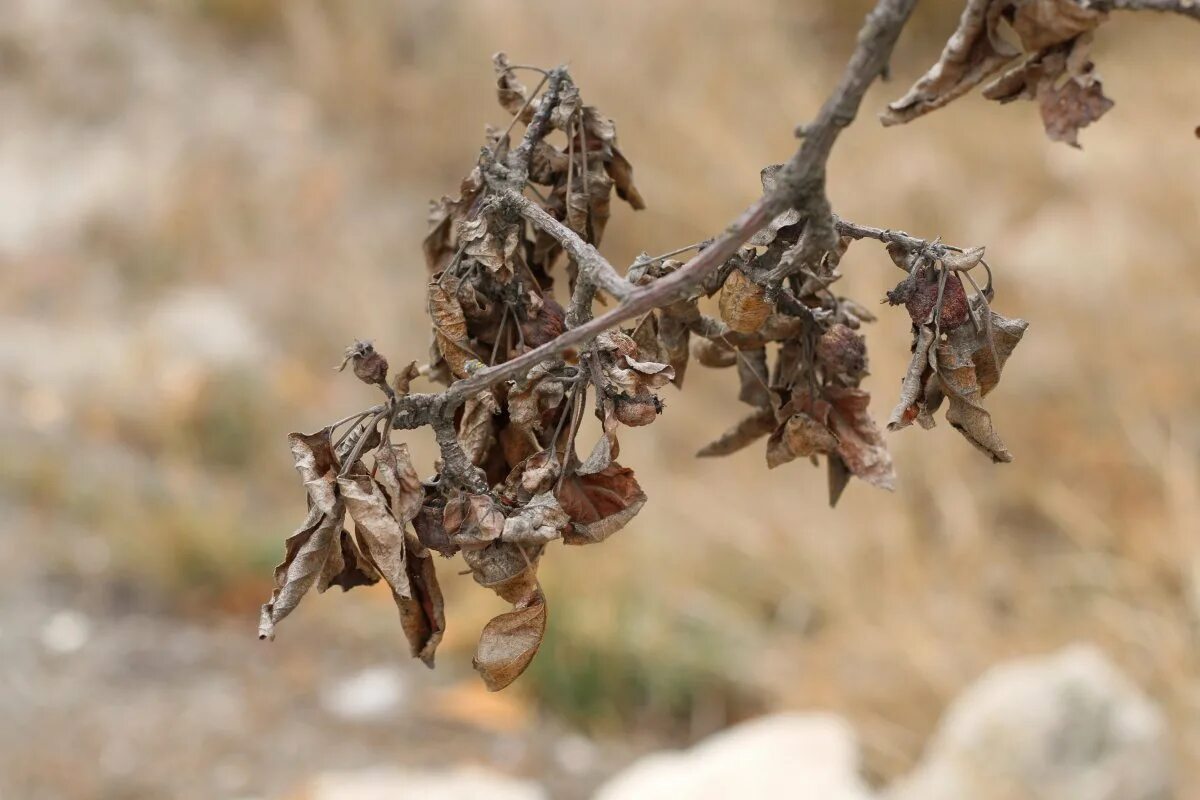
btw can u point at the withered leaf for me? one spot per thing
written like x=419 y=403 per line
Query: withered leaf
x=601 y=504
x=588 y=204
x=539 y=521
x=1042 y=23
x=714 y=354
x=509 y=570
x=305 y=554
x=509 y=91
x=477 y=428
x=974 y=51
x=645 y=336
x=860 y=442
x=748 y=430
x=969 y=366
x=423 y=616
x=1066 y=104
x=346 y=567
x=533 y=401
x=509 y=642
x=381 y=535
x=399 y=480
x=473 y=520
x=601 y=129
x=839 y=477
x=490 y=242
x=743 y=303
x=769 y=177
x=431 y=532
x=961 y=386
x=1079 y=102
x=800 y=436
x=606 y=447
x=913 y=386
x=533 y=476
x=444 y=215
x=752 y=374
x=313 y=456
x=450 y=328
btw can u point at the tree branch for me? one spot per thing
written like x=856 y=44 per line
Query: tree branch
x=801 y=185
x=593 y=267
x=1188 y=8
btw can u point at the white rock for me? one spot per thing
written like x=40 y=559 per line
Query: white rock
x=462 y=783
x=371 y=694
x=790 y=755
x=66 y=632
x=1064 y=727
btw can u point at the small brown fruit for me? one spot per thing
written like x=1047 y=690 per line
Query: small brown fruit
x=743 y=305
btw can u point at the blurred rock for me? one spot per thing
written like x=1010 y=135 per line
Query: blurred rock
x=794 y=756
x=65 y=632
x=371 y=694
x=463 y=783
x=1068 y=725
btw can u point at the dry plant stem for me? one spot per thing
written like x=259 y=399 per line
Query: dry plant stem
x=1188 y=8
x=592 y=265
x=518 y=160
x=800 y=185
x=801 y=182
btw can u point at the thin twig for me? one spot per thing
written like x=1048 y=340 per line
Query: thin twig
x=641 y=262
x=528 y=100
x=1188 y=8
x=799 y=184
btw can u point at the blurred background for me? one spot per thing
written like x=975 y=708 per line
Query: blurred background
x=202 y=202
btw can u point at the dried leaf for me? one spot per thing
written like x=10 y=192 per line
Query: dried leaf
x=431 y=532
x=533 y=403
x=509 y=91
x=395 y=473
x=842 y=354
x=752 y=374
x=440 y=244
x=599 y=505
x=305 y=554
x=769 y=177
x=1079 y=102
x=743 y=304
x=1043 y=23
x=381 y=535
x=606 y=447
x=860 y=442
x=313 y=456
x=477 y=428
x=347 y=567
x=747 y=431
x=800 y=436
x=913 y=386
x=491 y=243
x=423 y=616
x=601 y=130
x=450 y=329
x=538 y=522
x=714 y=354
x=959 y=382
x=509 y=570
x=974 y=52
x=473 y=520
x=969 y=366
x=533 y=476
x=839 y=478
x=508 y=643
x=1066 y=104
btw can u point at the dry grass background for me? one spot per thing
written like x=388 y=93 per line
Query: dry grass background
x=204 y=201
